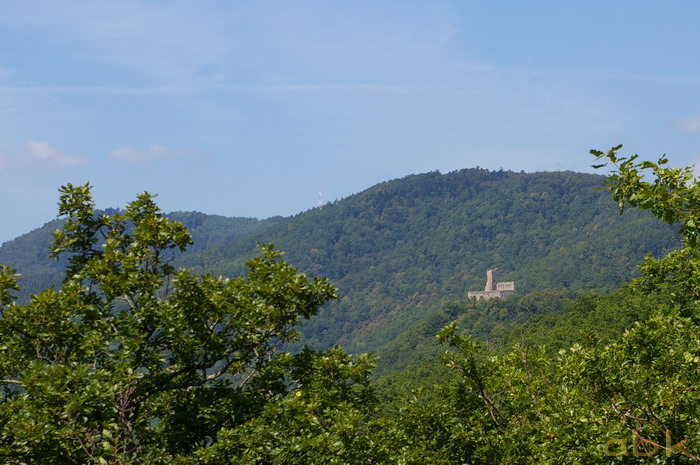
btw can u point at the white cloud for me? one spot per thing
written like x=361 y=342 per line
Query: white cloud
x=34 y=152
x=43 y=152
x=153 y=152
x=690 y=124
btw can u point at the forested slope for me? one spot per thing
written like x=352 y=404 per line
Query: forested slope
x=400 y=249
x=29 y=253
x=132 y=361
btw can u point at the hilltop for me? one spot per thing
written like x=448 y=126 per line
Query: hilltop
x=399 y=251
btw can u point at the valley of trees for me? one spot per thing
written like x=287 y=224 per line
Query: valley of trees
x=143 y=354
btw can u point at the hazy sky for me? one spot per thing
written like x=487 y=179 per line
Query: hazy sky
x=247 y=108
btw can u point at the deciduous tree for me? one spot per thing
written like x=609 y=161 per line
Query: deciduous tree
x=133 y=361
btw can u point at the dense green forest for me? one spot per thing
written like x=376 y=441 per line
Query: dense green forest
x=401 y=251
x=133 y=360
x=398 y=252
x=29 y=252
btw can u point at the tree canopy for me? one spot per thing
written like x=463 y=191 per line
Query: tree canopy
x=133 y=361
x=625 y=398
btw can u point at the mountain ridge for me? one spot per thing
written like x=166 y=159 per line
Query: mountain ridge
x=399 y=249
x=402 y=248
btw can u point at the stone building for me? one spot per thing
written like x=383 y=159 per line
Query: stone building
x=494 y=289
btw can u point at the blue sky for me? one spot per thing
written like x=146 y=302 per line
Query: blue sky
x=247 y=108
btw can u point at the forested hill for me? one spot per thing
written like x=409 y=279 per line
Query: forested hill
x=399 y=249
x=29 y=252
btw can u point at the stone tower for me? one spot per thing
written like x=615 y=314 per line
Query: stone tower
x=491 y=280
x=494 y=289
